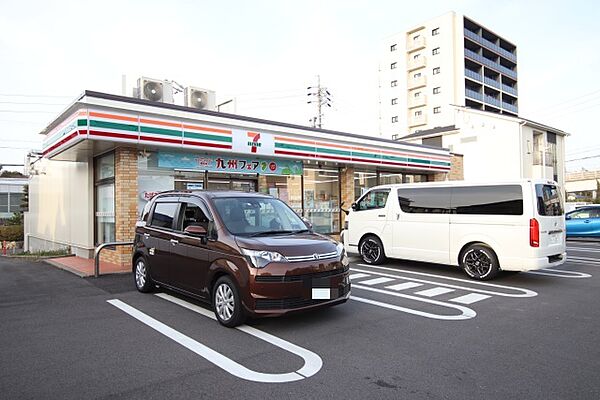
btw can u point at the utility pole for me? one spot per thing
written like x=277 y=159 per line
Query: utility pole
x=323 y=98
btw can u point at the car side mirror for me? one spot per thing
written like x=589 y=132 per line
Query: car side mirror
x=195 y=230
x=567 y=217
x=354 y=206
x=309 y=224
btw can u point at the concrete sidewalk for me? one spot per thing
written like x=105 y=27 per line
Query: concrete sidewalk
x=84 y=267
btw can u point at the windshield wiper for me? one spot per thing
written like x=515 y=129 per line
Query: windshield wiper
x=264 y=233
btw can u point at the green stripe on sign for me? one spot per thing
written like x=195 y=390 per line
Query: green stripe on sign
x=419 y=161
x=443 y=163
x=204 y=136
x=294 y=147
x=394 y=158
x=160 y=131
x=333 y=151
x=81 y=122
x=113 y=125
x=365 y=155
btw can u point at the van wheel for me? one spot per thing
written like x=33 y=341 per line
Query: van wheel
x=141 y=276
x=480 y=262
x=371 y=250
x=227 y=303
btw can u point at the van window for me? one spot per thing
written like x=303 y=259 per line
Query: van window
x=373 y=199
x=164 y=214
x=549 y=202
x=488 y=200
x=425 y=201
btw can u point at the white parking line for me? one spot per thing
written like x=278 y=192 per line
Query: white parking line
x=470 y=298
x=358 y=276
x=560 y=273
x=521 y=292
x=465 y=313
x=434 y=292
x=583 y=249
x=583 y=260
x=312 y=362
x=404 y=286
x=375 y=281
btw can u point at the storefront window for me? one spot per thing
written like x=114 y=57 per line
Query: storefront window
x=389 y=178
x=104 y=172
x=363 y=181
x=285 y=188
x=321 y=199
x=414 y=178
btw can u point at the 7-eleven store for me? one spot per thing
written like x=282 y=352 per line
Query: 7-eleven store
x=106 y=155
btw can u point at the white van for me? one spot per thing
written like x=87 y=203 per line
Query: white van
x=482 y=227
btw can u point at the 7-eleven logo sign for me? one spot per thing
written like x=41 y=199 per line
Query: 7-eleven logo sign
x=253 y=141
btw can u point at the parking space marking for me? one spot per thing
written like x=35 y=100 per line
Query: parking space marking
x=404 y=286
x=436 y=291
x=559 y=273
x=584 y=249
x=521 y=291
x=312 y=362
x=470 y=298
x=358 y=276
x=465 y=312
x=375 y=281
x=583 y=260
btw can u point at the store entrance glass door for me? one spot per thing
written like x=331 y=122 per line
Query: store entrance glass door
x=245 y=183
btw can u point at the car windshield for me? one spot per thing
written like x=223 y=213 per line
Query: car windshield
x=253 y=216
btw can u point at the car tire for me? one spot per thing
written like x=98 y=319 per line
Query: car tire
x=227 y=303
x=479 y=262
x=371 y=250
x=141 y=275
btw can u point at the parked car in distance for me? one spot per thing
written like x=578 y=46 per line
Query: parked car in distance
x=247 y=254
x=482 y=227
x=583 y=222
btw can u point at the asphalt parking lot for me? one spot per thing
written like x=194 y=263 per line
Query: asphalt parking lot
x=411 y=330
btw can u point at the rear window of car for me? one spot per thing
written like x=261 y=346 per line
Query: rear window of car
x=163 y=215
x=549 y=201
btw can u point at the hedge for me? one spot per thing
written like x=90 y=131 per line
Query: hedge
x=11 y=233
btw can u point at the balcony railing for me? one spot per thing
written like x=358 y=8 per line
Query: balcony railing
x=473 y=75
x=509 y=89
x=492 y=100
x=509 y=107
x=489 y=63
x=417 y=82
x=417 y=120
x=473 y=94
x=492 y=82
x=490 y=45
x=418 y=63
x=415 y=44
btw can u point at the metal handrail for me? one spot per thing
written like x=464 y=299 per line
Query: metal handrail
x=102 y=247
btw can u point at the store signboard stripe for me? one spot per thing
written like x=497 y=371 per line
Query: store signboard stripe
x=294 y=147
x=161 y=131
x=204 y=136
x=205 y=144
x=113 y=116
x=113 y=134
x=159 y=139
x=206 y=129
x=162 y=123
x=365 y=155
x=113 y=125
x=333 y=151
x=61 y=142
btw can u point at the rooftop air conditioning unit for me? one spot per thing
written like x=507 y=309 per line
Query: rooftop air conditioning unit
x=154 y=90
x=202 y=99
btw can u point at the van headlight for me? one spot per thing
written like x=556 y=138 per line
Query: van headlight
x=262 y=258
x=341 y=252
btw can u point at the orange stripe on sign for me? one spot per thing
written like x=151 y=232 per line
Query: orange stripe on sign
x=285 y=139
x=157 y=122
x=112 y=116
x=206 y=129
x=252 y=134
x=82 y=112
x=394 y=153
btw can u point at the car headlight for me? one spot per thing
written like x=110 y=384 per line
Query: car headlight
x=341 y=252
x=261 y=258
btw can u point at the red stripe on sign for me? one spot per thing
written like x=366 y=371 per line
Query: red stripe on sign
x=291 y=153
x=113 y=135
x=204 y=144
x=61 y=142
x=161 y=140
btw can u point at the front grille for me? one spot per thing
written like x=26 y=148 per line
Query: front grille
x=300 y=278
x=295 y=302
x=312 y=257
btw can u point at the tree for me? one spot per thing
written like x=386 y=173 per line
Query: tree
x=11 y=174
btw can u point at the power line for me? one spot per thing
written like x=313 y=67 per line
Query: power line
x=35 y=95
x=583 y=158
x=29 y=103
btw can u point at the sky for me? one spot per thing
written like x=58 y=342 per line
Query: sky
x=266 y=53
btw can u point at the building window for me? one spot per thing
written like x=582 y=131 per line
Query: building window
x=393 y=65
x=394 y=83
x=416 y=56
x=436 y=70
x=394 y=101
x=436 y=90
x=435 y=32
x=417 y=94
x=416 y=37
x=435 y=51
x=417 y=75
x=287 y=188
x=104 y=182
x=363 y=181
x=394 y=119
x=437 y=110
x=418 y=113
x=393 y=47
x=321 y=199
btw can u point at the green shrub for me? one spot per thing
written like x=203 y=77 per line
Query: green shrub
x=11 y=233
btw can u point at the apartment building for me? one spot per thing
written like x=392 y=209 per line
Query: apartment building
x=448 y=60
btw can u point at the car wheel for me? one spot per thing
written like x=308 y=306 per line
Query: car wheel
x=371 y=250
x=141 y=276
x=480 y=262
x=227 y=304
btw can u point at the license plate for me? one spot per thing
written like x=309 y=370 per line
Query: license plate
x=321 y=294
x=555 y=238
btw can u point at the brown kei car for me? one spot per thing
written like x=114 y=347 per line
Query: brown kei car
x=247 y=254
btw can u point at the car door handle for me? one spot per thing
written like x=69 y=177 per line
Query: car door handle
x=174 y=242
x=587 y=221
x=381 y=215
